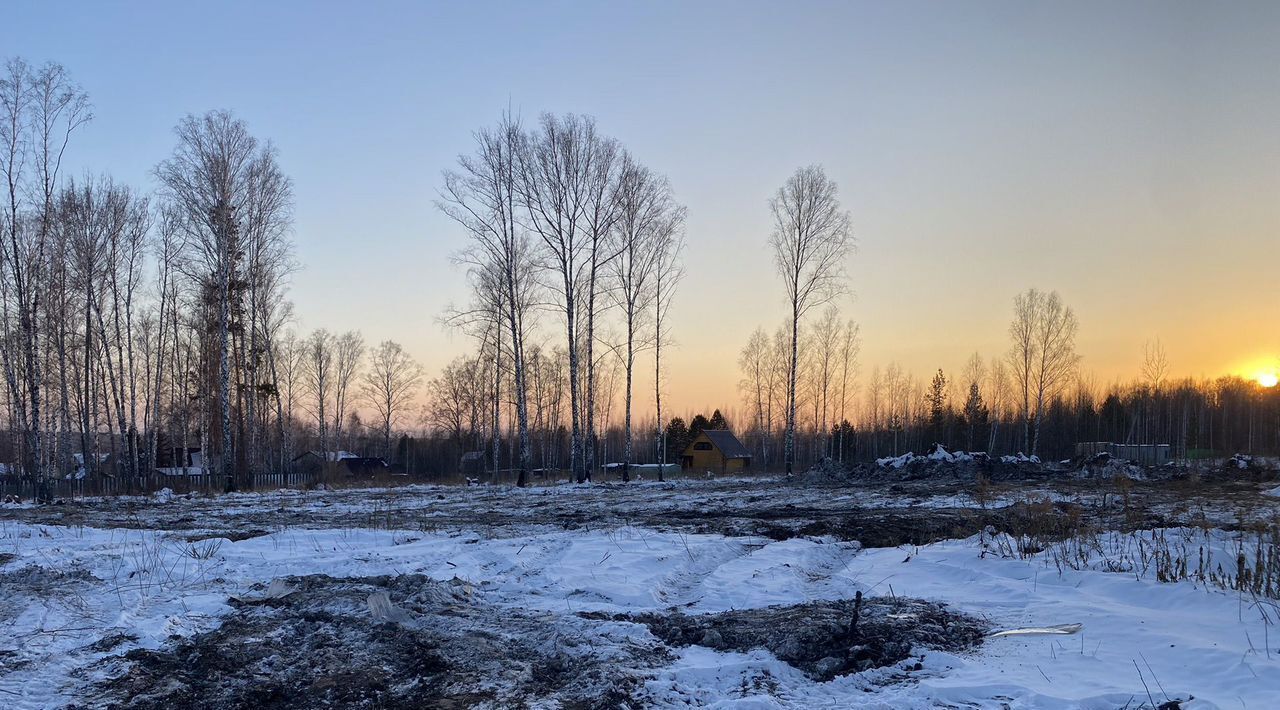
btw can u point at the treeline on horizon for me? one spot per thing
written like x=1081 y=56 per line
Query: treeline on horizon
x=138 y=325
x=890 y=412
x=1034 y=399
x=979 y=409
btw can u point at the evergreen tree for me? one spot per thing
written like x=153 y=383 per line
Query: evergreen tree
x=696 y=426
x=1115 y=419
x=975 y=416
x=678 y=437
x=843 y=432
x=937 y=399
x=717 y=421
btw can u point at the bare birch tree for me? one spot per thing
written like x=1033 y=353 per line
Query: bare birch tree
x=126 y=224
x=1023 y=354
x=40 y=108
x=348 y=353
x=754 y=362
x=648 y=217
x=824 y=363
x=168 y=246
x=318 y=373
x=1043 y=357
x=998 y=393
x=455 y=399
x=291 y=354
x=604 y=164
x=227 y=188
x=556 y=172
x=1155 y=364
x=850 y=345
x=1056 y=345
x=811 y=240
x=875 y=408
x=666 y=278
x=483 y=196
x=389 y=385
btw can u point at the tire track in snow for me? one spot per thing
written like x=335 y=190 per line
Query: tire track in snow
x=685 y=585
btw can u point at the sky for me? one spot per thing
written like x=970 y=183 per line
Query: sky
x=1125 y=154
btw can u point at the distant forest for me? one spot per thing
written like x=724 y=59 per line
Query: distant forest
x=886 y=411
x=1003 y=406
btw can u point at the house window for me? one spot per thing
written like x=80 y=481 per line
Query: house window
x=702 y=446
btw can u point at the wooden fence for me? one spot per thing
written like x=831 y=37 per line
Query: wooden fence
x=26 y=488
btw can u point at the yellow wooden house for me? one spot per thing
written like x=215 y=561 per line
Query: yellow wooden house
x=717 y=451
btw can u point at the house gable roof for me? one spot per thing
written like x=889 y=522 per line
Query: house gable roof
x=726 y=443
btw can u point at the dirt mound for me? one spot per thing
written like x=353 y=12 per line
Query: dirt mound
x=325 y=643
x=1105 y=467
x=940 y=464
x=29 y=585
x=825 y=639
x=826 y=471
x=40 y=578
x=944 y=465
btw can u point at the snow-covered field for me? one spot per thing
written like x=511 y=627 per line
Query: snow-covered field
x=75 y=599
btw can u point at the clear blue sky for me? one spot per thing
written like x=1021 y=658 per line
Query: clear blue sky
x=1126 y=154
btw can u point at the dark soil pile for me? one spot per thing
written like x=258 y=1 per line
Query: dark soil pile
x=322 y=647
x=960 y=468
x=924 y=468
x=882 y=527
x=825 y=639
x=21 y=587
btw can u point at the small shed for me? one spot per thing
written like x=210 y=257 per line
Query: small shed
x=472 y=463
x=716 y=450
x=363 y=465
x=177 y=461
x=103 y=466
x=320 y=461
